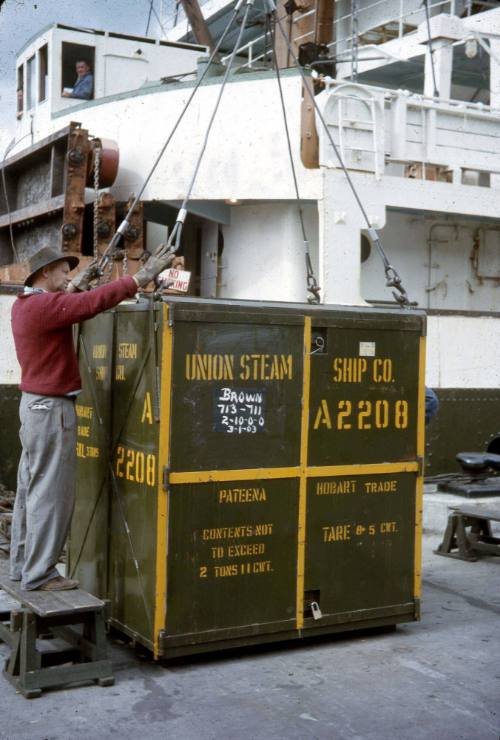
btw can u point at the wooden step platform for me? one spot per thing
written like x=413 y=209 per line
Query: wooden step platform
x=56 y=637
x=468 y=533
x=51 y=603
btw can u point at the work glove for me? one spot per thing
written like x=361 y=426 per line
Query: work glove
x=162 y=258
x=82 y=279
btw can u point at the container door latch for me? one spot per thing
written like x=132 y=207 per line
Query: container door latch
x=316 y=611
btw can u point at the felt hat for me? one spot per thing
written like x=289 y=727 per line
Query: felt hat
x=47 y=256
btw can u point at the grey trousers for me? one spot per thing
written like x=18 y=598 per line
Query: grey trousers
x=45 y=488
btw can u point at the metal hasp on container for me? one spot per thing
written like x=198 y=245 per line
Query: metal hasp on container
x=249 y=472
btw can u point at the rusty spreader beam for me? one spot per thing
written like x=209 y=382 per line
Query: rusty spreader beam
x=76 y=178
x=42 y=197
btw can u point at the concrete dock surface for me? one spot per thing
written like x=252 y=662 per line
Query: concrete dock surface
x=437 y=678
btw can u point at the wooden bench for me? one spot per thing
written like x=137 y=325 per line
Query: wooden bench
x=459 y=543
x=45 y=629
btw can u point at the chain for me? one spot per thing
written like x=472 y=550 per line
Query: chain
x=109 y=267
x=97 y=161
x=125 y=260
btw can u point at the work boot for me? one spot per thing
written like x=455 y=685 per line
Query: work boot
x=58 y=584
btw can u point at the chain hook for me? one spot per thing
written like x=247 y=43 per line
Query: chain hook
x=393 y=280
x=314 y=289
x=312 y=285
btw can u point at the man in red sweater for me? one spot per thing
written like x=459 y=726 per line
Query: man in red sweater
x=42 y=320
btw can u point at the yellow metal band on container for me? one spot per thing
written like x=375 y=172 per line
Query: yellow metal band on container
x=218 y=476
x=304 y=436
x=419 y=502
x=163 y=461
x=321 y=471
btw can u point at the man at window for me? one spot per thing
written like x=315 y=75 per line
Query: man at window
x=84 y=85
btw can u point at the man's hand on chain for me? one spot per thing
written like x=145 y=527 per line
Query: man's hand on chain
x=82 y=279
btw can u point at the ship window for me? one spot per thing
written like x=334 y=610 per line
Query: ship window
x=43 y=59
x=30 y=83
x=407 y=75
x=20 y=91
x=70 y=55
x=470 y=79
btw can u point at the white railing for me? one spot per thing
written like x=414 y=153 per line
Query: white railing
x=402 y=19
x=452 y=136
x=253 y=53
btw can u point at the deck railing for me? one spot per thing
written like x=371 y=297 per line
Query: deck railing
x=395 y=132
x=403 y=22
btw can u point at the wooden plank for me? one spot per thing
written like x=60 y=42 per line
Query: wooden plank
x=50 y=603
x=477 y=513
x=7 y=603
x=45 y=678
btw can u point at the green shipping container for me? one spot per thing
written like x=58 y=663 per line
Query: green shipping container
x=249 y=472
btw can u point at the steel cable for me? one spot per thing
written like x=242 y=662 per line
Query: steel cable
x=429 y=41
x=149 y=16
x=9 y=148
x=175 y=236
x=7 y=206
x=122 y=229
x=312 y=285
x=393 y=280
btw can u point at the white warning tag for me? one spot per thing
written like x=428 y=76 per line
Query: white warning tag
x=367 y=349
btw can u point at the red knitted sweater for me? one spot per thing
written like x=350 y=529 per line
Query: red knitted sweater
x=41 y=324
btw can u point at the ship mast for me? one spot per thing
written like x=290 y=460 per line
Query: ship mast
x=198 y=24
